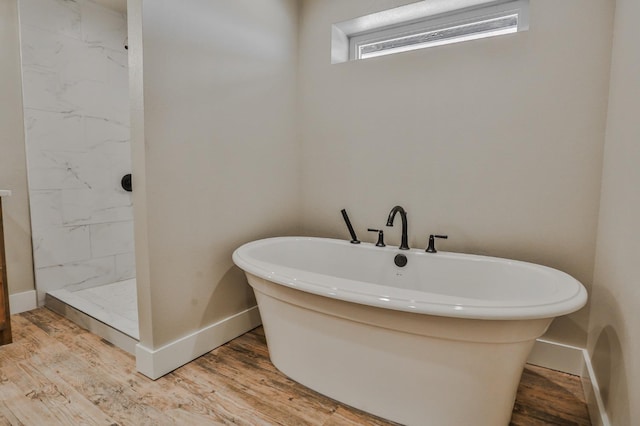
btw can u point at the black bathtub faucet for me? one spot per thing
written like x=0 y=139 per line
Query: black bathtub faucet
x=404 y=244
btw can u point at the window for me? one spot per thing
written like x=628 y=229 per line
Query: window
x=354 y=40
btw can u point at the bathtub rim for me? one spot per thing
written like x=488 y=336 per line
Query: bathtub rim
x=309 y=282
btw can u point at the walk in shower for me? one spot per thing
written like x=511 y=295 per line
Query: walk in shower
x=76 y=112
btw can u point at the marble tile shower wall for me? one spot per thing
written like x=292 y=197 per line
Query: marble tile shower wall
x=75 y=84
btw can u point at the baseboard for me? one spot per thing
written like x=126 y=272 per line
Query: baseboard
x=592 y=394
x=22 y=302
x=576 y=361
x=156 y=363
x=557 y=356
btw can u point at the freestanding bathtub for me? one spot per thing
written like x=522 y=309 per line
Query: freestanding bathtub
x=441 y=341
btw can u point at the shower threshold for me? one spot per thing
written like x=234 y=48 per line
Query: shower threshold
x=109 y=310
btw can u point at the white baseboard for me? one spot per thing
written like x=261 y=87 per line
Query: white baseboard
x=592 y=394
x=557 y=356
x=156 y=363
x=22 y=302
x=576 y=361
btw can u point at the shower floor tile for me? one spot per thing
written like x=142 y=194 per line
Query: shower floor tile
x=115 y=304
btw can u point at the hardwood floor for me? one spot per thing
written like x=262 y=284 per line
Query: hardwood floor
x=56 y=373
x=5 y=323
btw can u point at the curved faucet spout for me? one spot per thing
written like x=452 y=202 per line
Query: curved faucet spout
x=404 y=244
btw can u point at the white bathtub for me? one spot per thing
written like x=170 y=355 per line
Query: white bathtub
x=441 y=341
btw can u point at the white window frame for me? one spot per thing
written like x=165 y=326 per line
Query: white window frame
x=433 y=24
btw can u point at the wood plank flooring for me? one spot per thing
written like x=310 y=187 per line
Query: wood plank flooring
x=56 y=373
x=5 y=323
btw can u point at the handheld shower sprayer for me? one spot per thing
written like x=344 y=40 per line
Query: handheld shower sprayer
x=354 y=237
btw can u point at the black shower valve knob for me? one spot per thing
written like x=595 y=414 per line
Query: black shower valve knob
x=126 y=182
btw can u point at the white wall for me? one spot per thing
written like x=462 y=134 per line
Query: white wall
x=215 y=153
x=495 y=142
x=614 y=326
x=13 y=167
x=77 y=140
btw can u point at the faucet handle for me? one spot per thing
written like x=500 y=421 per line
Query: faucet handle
x=432 y=243
x=380 y=242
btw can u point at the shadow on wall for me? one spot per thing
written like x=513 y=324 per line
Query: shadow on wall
x=609 y=366
x=232 y=294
